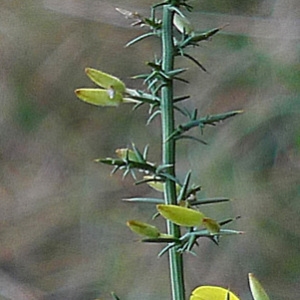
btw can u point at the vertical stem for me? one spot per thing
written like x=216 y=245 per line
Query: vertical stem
x=168 y=150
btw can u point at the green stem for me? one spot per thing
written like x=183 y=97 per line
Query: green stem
x=168 y=150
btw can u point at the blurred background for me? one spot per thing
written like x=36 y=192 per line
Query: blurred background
x=62 y=221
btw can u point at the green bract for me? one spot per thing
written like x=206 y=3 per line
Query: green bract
x=181 y=215
x=212 y=293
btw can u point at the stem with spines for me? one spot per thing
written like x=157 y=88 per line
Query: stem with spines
x=169 y=150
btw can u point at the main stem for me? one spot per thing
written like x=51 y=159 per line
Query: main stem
x=168 y=151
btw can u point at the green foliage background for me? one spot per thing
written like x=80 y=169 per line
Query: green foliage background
x=63 y=233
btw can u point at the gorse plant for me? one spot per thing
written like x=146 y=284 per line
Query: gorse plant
x=180 y=204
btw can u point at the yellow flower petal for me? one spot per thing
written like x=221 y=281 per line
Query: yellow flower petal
x=179 y=215
x=105 y=80
x=212 y=293
x=143 y=228
x=99 y=97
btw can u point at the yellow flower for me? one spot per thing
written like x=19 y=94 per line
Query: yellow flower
x=212 y=293
x=179 y=215
x=110 y=93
